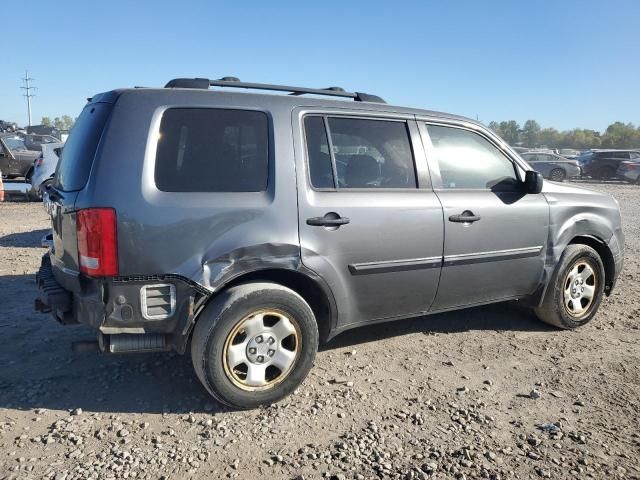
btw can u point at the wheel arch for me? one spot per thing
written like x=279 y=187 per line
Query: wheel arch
x=305 y=283
x=602 y=249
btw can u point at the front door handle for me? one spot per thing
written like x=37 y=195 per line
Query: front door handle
x=329 y=220
x=465 y=217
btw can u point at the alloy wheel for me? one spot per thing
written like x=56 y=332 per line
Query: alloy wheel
x=261 y=349
x=580 y=289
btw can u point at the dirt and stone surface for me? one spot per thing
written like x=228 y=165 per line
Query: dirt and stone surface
x=482 y=393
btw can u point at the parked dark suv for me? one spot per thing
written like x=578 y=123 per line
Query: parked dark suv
x=253 y=226
x=603 y=164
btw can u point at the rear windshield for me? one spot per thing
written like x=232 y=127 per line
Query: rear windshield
x=75 y=163
x=212 y=150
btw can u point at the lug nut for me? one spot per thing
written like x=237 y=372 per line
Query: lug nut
x=271 y=341
x=271 y=353
x=259 y=339
x=260 y=358
x=252 y=350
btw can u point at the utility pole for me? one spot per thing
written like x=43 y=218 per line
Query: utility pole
x=28 y=88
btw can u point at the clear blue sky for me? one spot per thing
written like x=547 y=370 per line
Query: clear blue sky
x=564 y=63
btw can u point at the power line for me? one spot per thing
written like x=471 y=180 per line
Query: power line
x=28 y=89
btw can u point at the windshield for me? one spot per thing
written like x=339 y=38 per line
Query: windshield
x=15 y=143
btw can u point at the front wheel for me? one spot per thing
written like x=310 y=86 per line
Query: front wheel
x=575 y=290
x=254 y=344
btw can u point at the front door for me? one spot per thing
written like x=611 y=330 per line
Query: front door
x=494 y=234
x=370 y=224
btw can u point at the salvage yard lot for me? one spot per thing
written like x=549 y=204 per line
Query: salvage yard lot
x=488 y=392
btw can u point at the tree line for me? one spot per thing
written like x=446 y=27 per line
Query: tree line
x=531 y=135
x=60 y=123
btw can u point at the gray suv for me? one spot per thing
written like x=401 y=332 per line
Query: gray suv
x=250 y=227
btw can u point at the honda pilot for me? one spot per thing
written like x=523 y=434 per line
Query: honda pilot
x=248 y=227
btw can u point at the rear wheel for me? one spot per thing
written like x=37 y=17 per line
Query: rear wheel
x=575 y=290
x=254 y=344
x=557 y=175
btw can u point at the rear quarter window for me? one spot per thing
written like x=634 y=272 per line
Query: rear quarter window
x=75 y=162
x=212 y=150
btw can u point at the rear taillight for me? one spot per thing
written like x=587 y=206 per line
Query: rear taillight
x=39 y=161
x=97 y=242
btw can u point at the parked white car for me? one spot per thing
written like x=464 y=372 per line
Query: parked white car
x=45 y=165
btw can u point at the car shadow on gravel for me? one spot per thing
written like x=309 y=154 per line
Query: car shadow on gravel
x=40 y=370
x=499 y=317
x=24 y=239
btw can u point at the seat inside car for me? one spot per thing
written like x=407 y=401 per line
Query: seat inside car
x=362 y=171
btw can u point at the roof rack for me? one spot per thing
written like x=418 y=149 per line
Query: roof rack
x=205 y=83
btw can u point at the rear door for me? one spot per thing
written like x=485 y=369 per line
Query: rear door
x=370 y=224
x=494 y=234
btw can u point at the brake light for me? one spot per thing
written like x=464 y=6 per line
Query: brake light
x=39 y=161
x=97 y=242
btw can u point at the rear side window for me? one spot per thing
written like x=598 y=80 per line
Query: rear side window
x=212 y=150
x=75 y=163
x=364 y=153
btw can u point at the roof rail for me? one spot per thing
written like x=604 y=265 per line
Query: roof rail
x=205 y=83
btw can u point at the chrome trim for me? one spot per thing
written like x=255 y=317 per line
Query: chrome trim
x=143 y=301
x=496 y=255
x=394 y=265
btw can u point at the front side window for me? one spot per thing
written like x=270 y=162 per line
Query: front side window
x=212 y=150
x=468 y=160
x=365 y=153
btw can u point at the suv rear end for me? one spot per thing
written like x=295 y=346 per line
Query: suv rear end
x=140 y=241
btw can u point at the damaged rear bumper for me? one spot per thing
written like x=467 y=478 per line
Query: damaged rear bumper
x=116 y=307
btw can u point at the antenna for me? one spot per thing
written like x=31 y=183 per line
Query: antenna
x=28 y=88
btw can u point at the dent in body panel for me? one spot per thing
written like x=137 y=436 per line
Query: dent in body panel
x=575 y=212
x=218 y=271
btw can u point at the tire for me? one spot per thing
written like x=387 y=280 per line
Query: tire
x=557 y=175
x=558 y=307
x=226 y=322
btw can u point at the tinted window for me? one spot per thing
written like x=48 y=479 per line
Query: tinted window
x=372 y=153
x=212 y=150
x=75 y=163
x=320 y=170
x=467 y=160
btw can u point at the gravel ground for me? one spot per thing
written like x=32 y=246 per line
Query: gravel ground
x=481 y=393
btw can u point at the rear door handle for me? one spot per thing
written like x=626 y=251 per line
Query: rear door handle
x=465 y=217
x=327 y=221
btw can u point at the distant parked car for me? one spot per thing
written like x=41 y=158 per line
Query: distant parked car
x=45 y=165
x=603 y=164
x=630 y=171
x=43 y=130
x=7 y=126
x=552 y=166
x=35 y=142
x=15 y=159
x=569 y=153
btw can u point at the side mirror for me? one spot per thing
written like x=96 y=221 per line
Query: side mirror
x=533 y=181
